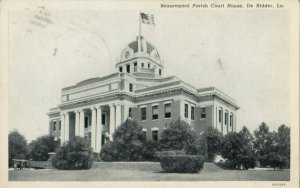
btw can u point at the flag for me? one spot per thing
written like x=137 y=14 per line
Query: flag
x=147 y=18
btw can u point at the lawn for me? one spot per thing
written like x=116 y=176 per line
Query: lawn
x=146 y=171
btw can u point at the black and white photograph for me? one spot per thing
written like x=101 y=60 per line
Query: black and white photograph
x=150 y=91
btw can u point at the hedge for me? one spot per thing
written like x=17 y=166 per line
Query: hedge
x=182 y=163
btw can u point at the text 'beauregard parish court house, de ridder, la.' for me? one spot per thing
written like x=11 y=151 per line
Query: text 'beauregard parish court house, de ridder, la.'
x=95 y=107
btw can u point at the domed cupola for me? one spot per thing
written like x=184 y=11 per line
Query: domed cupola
x=141 y=59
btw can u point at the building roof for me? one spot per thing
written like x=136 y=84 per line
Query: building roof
x=140 y=48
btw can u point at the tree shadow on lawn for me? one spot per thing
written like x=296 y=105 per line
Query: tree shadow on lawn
x=164 y=172
x=224 y=167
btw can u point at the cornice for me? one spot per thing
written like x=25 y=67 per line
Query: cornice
x=134 y=58
x=117 y=95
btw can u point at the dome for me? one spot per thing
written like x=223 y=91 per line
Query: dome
x=140 y=48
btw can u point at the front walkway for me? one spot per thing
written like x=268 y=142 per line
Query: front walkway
x=145 y=171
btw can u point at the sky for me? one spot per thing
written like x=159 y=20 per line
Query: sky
x=243 y=53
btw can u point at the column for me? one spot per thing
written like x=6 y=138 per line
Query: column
x=234 y=122
x=77 y=123
x=111 y=120
x=50 y=127
x=81 y=123
x=94 y=128
x=99 y=130
x=181 y=102
x=62 y=132
x=126 y=111
x=118 y=115
x=67 y=127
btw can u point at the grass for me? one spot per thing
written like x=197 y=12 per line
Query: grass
x=145 y=171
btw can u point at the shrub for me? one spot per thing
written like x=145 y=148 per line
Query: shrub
x=211 y=138
x=149 y=150
x=178 y=135
x=75 y=154
x=182 y=163
x=127 y=143
x=160 y=154
x=109 y=152
x=42 y=146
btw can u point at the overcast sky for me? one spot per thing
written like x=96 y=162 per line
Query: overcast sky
x=242 y=53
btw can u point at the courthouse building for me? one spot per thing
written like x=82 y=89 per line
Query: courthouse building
x=95 y=107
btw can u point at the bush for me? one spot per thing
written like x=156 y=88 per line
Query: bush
x=210 y=142
x=178 y=136
x=109 y=152
x=127 y=143
x=160 y=154
x=75 y=154
x=42 y=146
x=149 y=151
x=182 y=163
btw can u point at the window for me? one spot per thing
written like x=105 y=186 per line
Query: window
x=226 y=118
x=220 y=116
x=168 y=110
x=54 y=126
x=135 y=67
x=130 y=87
x=231 y=120
x=143 y=65
x=144 y=135
x=128 y=68
x=143 y=114
x=148 y=65
x=103 y=119
x=86 y=122
x=186 y=110
x=120 y=69
x=59 y=125
x=192 y=112
x=130 y=112
x=154 y=112
x=203 y=112
x=160 y=72
x=155 y=135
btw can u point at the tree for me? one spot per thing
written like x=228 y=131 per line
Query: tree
x=42 y=146
x=18 y=148
x=237 y=149
x=127 y=143
x=178 y=135
x=246 y=135
x=283 y=141
x=246 y=141
x=275 y=160
x=74 y=154
x=212 y=137
x=261 y=138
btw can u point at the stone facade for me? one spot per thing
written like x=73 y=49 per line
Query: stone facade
x=94 y=108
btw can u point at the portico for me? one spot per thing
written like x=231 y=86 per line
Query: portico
x=96 y=121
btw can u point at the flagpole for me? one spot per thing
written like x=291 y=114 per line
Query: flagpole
x=140 y=25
